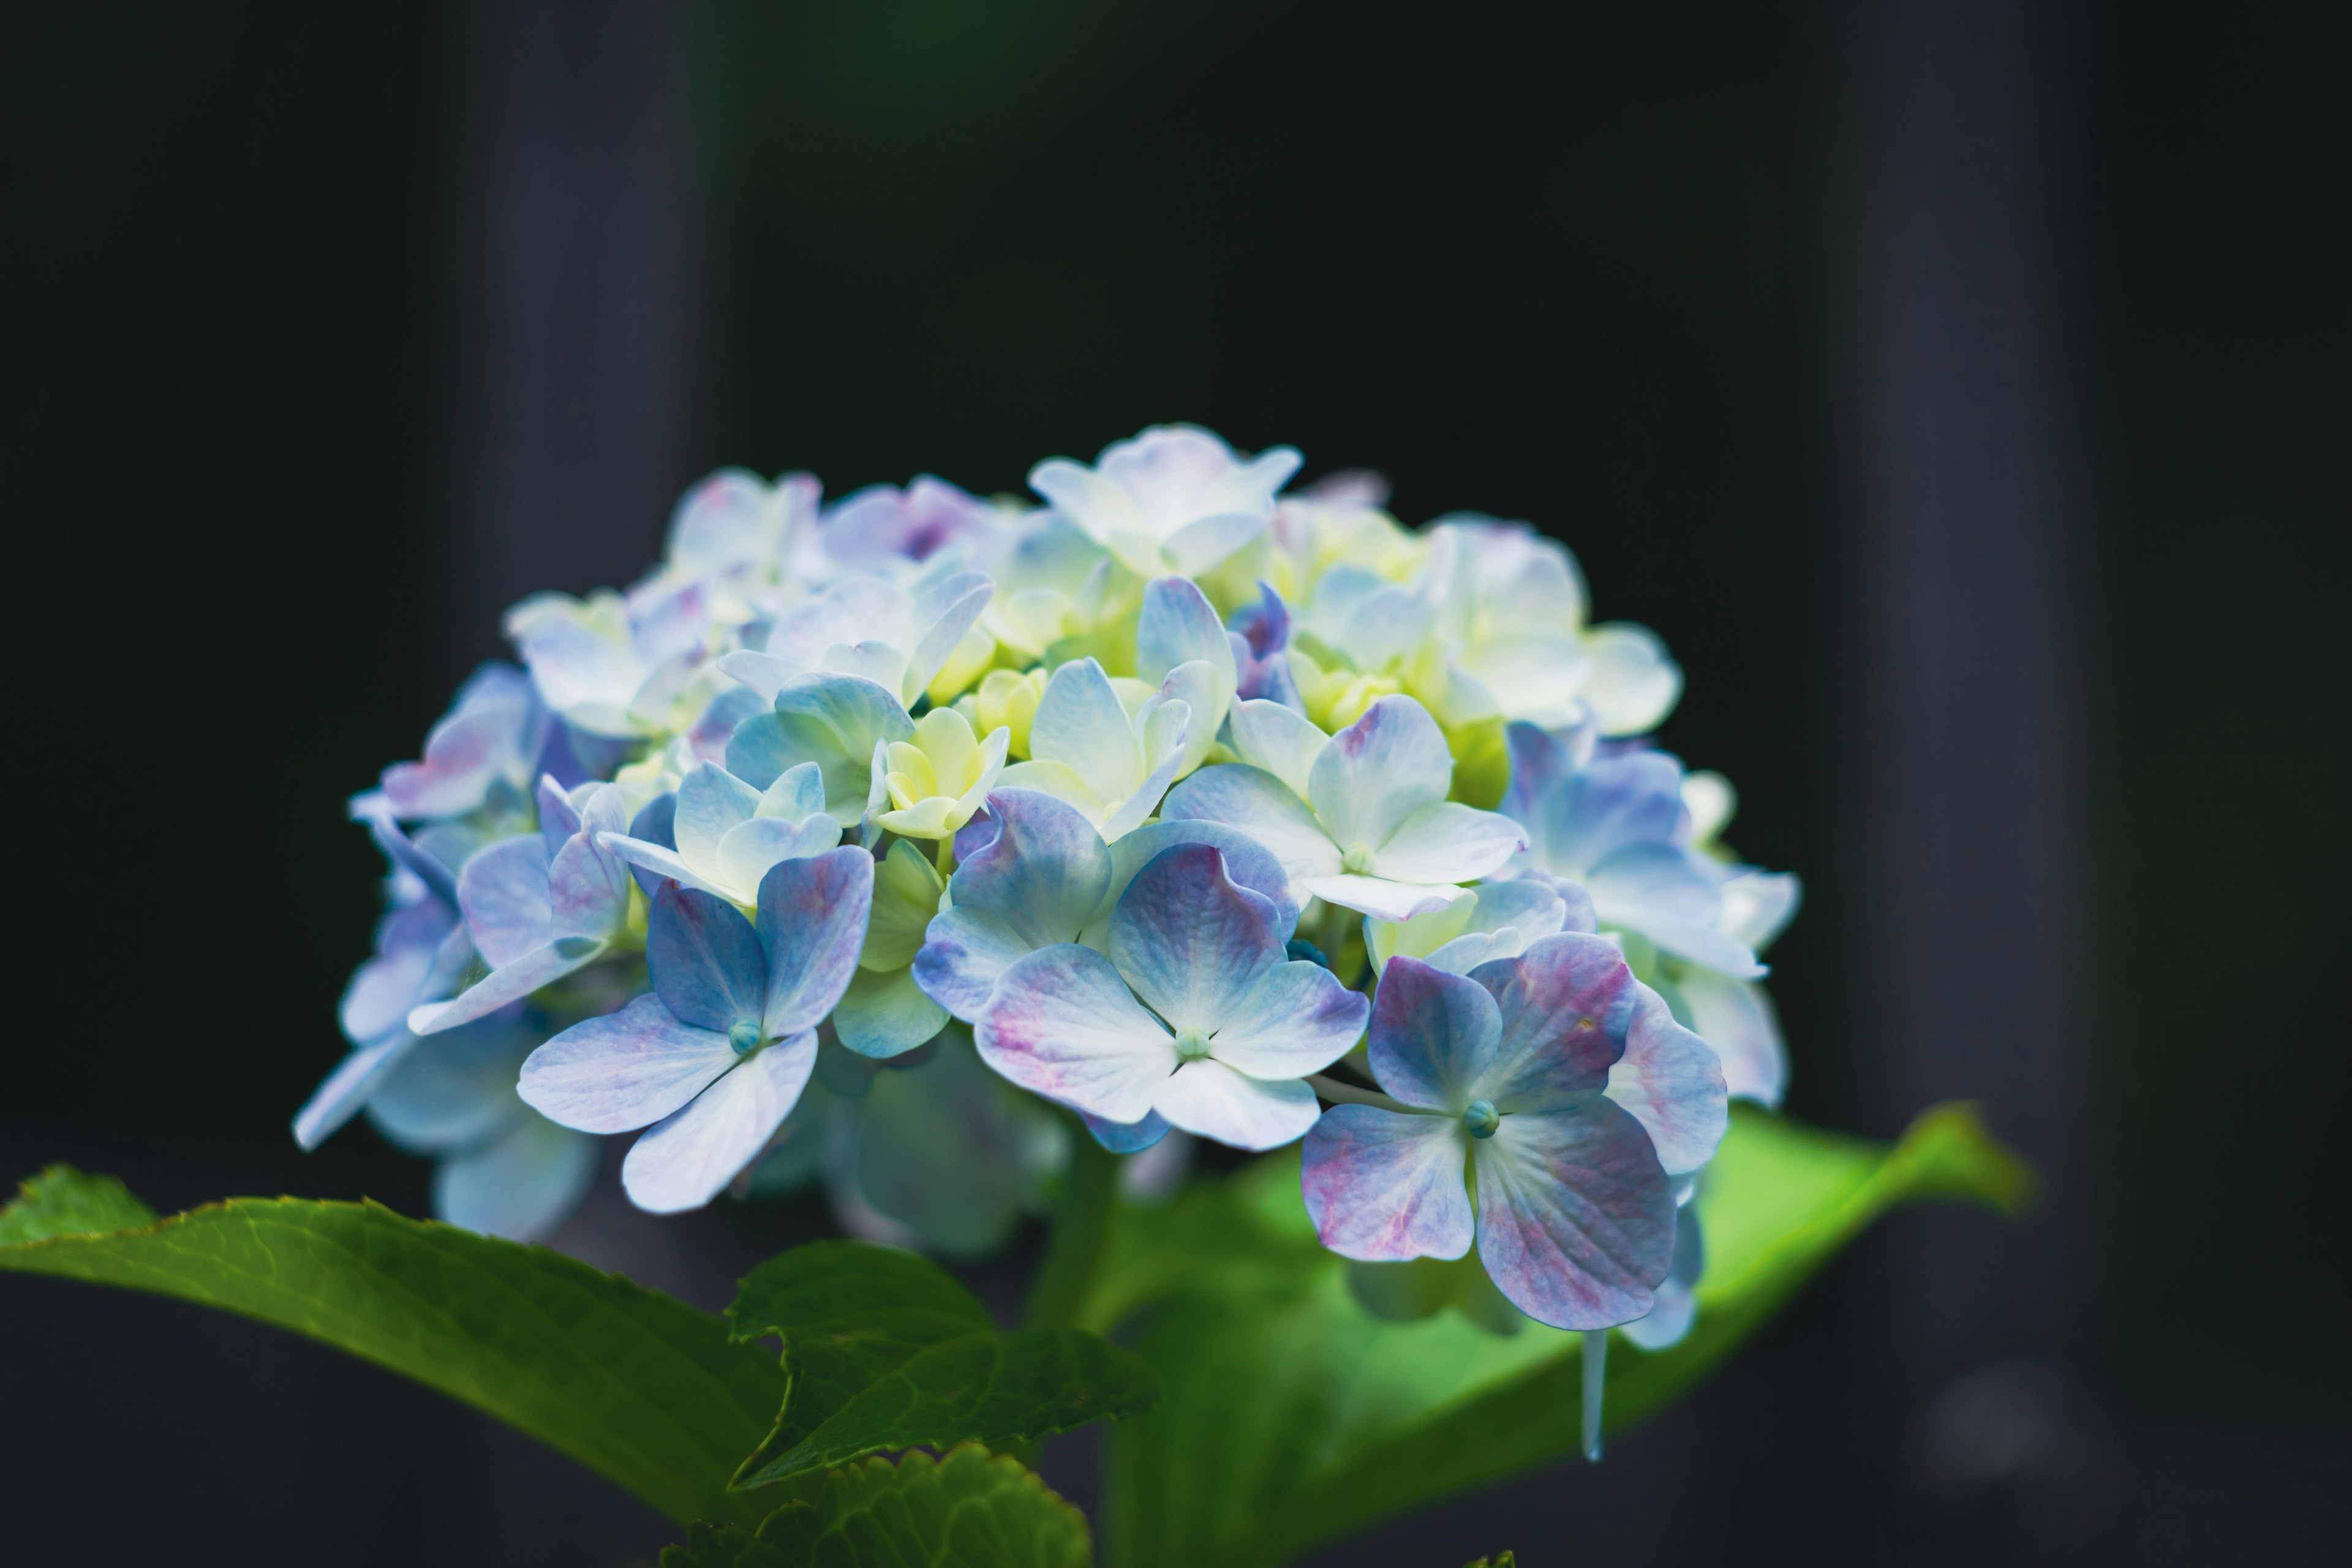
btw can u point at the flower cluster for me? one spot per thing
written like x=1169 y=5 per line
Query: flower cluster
x=895 y=841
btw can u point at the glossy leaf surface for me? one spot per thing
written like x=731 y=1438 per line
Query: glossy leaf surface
x=885 y=1350
x=633 y=1383
x=966 y=1510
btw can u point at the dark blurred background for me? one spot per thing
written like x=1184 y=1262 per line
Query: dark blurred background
x=1958 y=387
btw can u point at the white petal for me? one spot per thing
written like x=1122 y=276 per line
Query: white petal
x=686 y=1161
x=625 y=1071
x=1281 y=741
x=1211 y=1099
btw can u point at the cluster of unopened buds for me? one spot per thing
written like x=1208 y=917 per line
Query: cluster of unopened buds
x=897 y=843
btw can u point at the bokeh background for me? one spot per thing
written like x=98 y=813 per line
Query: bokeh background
x=1957 y=386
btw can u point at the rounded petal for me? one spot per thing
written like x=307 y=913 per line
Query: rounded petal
x=1191 y=943
x=1383 y=1185
x=1381 y=897
x=1081 y=724
x=1248 y=862
x=1672 y=1083
x=705 y=959
x=684 y=1161
x=1263 y=807
x=348 y=1088
x=1433 y=1036
x=1670 y=1319
x=1566 y=1005
x=520 y=1187
x=1210 y=1099
x=1280 y=739
x=812 y=926
x=1633 y=684
x=750 y=848
x=1378 y=771
x=625 y=1071
x=964 y=950
x=1045 y=873
x=507 y=985
x=1671 y=896
x=503 y=891
x=1061 y=1023
x=887 y=1015
x=1575 y=1218
x=1448 y=842
x=1295 y=1020
x=1735 y=1017
x=711 y=801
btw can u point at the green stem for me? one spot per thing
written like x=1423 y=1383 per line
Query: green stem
x=1081 y=1234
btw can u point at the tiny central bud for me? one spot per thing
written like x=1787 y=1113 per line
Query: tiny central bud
x=1358 y=860
x=1482 y=1118
x=1191 y=1045
x=744 y=1034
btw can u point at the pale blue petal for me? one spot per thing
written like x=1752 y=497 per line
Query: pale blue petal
x=1191 y=943
x=1061 y=1023
x=1671 y=1081
x=625 y=1070
x=588 y=887
x=356 y=1077
x=812 y=916
x=557 y=820
x=1248 y=862
x=1263 y=807
x=1081 y=724
x=408 y=962
x=1127 y=1137
x=1757 y=905
x=655 y=825
x=797 y=793
x=705 y=960
x=1381 y=897
x=1433 y=1036
x=1669 y=895
x=1282 y=741
x=1378 y=771
x=1201 y=543
x=1576 y=1219
x=655 y=865
x=945 y=1149
x=504 y=892
x=1383 y=1185
x=1670 y=1319
x=1210 y=1099
x=964 y=950
x=944 y=610
x=750 y=848
x=888 y=1015
x=1296 y=1019
x=508 y=984
x=453 y=1092
x=1044 y=874
x=710 y=802
x=833 y=721
x=1446 y=841
x=1633 y=685
x=1566 y=1005
x=1178 y=625
x=523 y=1186
x=1736 y=1019
x=1613 y=804
x=687 y=1159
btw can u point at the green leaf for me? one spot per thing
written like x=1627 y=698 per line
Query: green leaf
x=887 y=1351
x=966 y=1510
x=62 y=1201
x=1294 y=1416
x=633 y=1383
x=1500 y=1560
